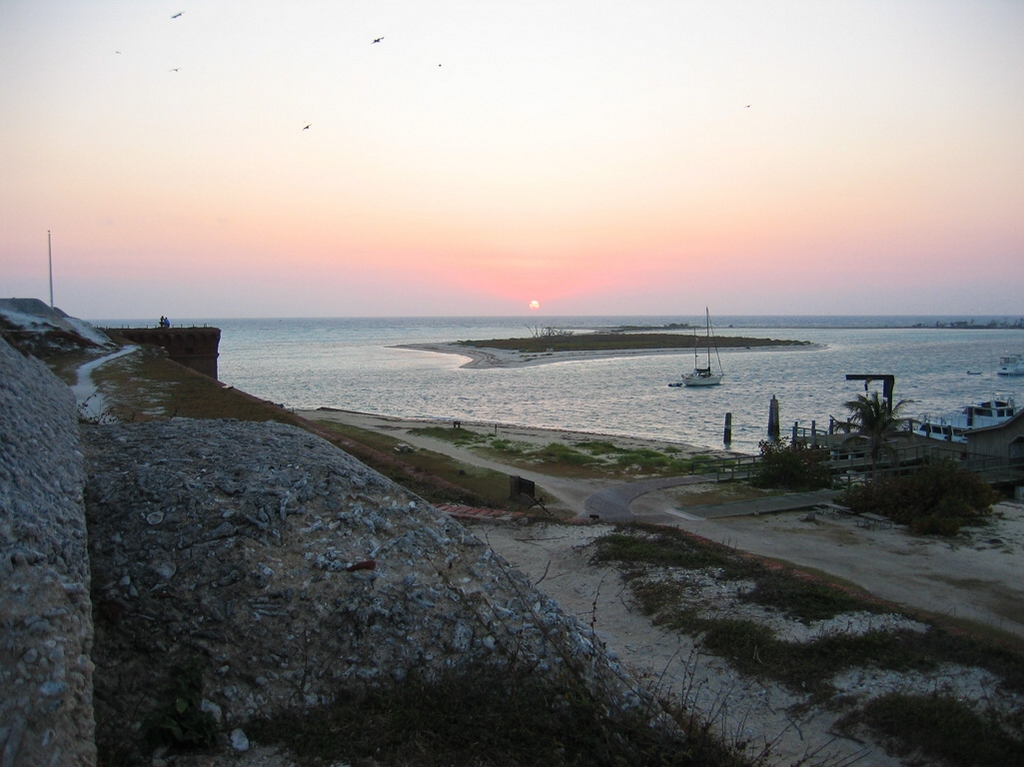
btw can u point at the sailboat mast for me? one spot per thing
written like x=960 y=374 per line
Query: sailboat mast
x=710 y=337
x=49 y=253
x=707 y=325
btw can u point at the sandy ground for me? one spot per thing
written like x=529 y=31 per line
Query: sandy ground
x=769 y=720
x=975 y=577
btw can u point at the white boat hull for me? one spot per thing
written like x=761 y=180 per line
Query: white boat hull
x=698 y=379
x=1011 y=365
x=954 y=428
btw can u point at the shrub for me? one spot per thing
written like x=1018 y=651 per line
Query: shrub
x=793 y=467
x=937 y=499
x=181 y=721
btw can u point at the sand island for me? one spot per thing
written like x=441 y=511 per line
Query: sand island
x=562 y=346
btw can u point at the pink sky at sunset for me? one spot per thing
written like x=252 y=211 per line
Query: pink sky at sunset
x=600 y=157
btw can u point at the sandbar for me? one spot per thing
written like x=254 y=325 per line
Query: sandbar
x=490 y=357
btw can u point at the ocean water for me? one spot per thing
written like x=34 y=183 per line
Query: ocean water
x=353 y=364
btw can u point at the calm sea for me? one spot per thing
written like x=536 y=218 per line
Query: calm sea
x=353 y=364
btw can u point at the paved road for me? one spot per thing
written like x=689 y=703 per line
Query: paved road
x=612 y=504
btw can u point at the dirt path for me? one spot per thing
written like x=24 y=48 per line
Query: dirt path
x=90 y=401
x=975 y=576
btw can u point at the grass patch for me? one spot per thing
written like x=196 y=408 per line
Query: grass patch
x=561 y=454
x=491 y=717
x=418 y=471
x=936 y=727
x=654 y=461
x=805 y=599
x=667 y=547
x=593 y=459
x=509 y=447
x=146 y=385
x=944 y=728
x=718 y=492
x=647 y=551
x=454 y=436
x=599 y=447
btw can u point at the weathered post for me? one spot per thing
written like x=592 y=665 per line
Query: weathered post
x=773 y=419
x=727 y=437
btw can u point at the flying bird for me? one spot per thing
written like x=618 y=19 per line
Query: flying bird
x=308 y=125
x=177 y=15
x=174 y=69
x=377 y=40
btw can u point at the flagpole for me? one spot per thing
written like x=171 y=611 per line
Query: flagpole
x=49 y=250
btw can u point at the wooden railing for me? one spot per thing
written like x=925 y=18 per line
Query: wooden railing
x=850 y=462
x=727 y=469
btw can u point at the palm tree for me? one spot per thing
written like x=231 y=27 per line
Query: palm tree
x=874 y=421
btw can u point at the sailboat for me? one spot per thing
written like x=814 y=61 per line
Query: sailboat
x=705 y=376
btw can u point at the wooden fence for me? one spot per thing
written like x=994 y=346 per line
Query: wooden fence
x=851 y=463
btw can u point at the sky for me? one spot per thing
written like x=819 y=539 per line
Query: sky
x=580 y=158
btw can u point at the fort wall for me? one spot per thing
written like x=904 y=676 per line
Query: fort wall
x=194 y=347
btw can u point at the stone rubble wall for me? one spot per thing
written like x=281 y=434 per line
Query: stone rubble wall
x=287 y=570
x=279 y=566
x=46 y=630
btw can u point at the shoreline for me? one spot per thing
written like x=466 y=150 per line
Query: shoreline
x=539 y=436
x=482 y=359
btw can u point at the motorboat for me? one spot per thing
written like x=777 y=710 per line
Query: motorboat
x=704 y=375
x=1011 y=365
x=954 y=427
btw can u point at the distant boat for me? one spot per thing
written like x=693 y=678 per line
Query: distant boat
x=954 y=428
x=1011 y=365
x=705 y=375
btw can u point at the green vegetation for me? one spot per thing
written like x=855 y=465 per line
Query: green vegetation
x=568 y=342
x=938 y=498
x=433 y=476
x=800 y=598
x=793 y=467
x=455 y=436
x=940 y=726
x=711 y=493
x=181 y=722
x=145 y=385
x=499 y=717
x=875 y=421
x=590 y=458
